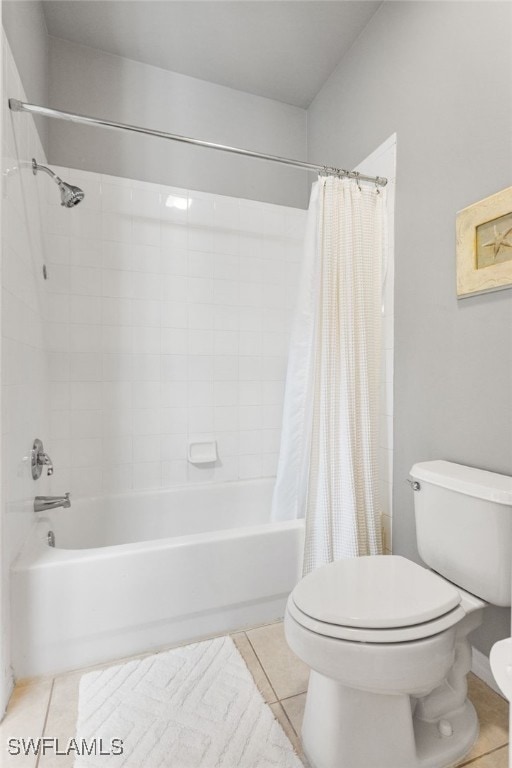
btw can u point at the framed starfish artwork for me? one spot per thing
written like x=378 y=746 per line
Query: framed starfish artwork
x=484 y=245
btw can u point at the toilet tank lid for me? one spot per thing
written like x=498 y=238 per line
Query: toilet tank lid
x=470 y=481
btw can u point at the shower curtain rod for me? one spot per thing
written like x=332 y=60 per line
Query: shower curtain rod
x=19 y=106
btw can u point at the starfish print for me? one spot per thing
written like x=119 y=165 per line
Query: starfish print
x=500 y=241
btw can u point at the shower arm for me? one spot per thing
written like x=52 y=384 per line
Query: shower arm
x=19 y=106
x=36 y=167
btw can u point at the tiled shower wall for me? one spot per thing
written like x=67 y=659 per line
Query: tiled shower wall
x=24 y=359
x=24 y=391
x=168 y=314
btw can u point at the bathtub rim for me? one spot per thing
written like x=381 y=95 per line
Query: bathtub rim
x=37 y=553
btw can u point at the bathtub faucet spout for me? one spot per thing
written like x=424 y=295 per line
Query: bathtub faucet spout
x=42 y=503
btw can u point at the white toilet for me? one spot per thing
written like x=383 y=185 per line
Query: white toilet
x=386 y=639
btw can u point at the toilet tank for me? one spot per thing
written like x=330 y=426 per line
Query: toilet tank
x=464 y=527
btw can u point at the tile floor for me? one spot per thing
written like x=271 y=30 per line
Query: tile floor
x=49 y=706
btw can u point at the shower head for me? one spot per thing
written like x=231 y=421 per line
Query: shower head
x=69 y=194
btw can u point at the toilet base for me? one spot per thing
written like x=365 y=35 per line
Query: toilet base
x=436 y=751
x=348 y=728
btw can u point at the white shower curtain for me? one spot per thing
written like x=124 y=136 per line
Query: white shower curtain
x=328 y=463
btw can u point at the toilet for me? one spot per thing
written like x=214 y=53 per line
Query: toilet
x=387 y=640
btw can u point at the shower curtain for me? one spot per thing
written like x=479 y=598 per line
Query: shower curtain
x=328 y=463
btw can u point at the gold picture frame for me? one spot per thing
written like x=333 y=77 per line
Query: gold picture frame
x=484 y=245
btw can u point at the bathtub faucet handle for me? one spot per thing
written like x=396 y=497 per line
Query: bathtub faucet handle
x=47 y=462
x=40 y=459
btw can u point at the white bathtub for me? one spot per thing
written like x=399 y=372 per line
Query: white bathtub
x=131 y=573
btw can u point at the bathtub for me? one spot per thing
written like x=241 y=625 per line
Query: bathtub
x=132 y=573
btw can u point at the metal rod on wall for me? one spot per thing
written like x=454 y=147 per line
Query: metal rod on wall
x=19 y=106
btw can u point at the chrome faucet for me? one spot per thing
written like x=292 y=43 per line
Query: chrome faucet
x=40 y=459
x=43 y=503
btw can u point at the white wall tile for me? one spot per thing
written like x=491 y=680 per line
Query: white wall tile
x=198 y=316
x=118 y=479
x=146 y=421
x=85 y=366
x=250 y=466
x=85 y=395
x=145 y=393
x=118 y=449
x=85 y=424
x=174 y=473
x=85 y=309
x=117 y=227
x=201 y=419
x=226 y=418
x=174 y=448
x=85 y=337
x=115 y=198
x=200 y=342
x=225 y=393
x=194 y=393
x=250 y=442
x=146 y=312
x=116 y=311
x=174 y=341
x=146 y=258
x=118 y=283
x=147 y=448
x=116 y=255
x=173 y=421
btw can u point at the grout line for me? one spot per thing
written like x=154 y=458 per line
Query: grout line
x=288 y=719
x=262 y=667
x=293 y=696
x=46 y=718
x=288 y=698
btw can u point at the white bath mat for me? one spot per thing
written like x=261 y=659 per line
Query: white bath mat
x=192 y=707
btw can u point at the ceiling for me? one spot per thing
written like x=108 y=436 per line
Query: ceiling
x=283 y=50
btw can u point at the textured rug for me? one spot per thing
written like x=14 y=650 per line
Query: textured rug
x=192 y=707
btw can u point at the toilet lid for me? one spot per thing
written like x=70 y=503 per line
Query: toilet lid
x=378 y=592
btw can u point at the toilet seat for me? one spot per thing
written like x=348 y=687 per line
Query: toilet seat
x=377 y=599
x=390 y=635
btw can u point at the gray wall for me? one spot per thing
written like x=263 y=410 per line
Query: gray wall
x=92 y=82
x=439 y=74
x=25 y=27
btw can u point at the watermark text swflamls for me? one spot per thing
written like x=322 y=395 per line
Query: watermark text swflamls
x=79 y=747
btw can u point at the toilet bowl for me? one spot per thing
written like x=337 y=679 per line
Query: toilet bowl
x=381 y=636
x=386 y=639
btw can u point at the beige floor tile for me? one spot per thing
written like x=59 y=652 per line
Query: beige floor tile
x=294 y=708
x=288 y=675
x=25 y=719
x=281 y=717
x=254 y=667
x=33 y=680
x=492 y=711
x=496 y=759
x=61 y=720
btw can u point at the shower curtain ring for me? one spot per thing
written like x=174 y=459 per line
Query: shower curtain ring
x=358 y=180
